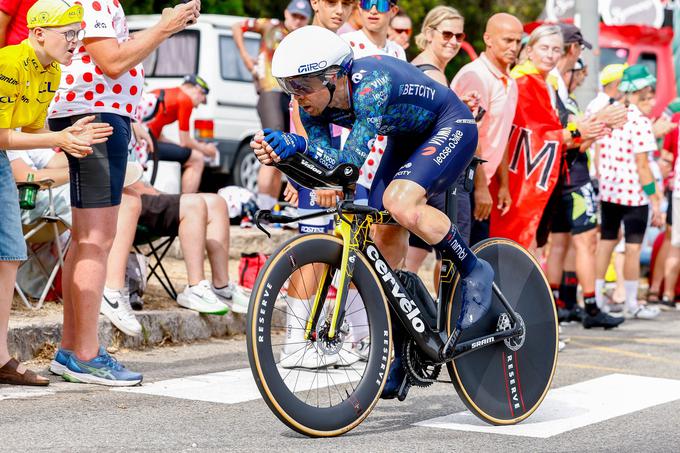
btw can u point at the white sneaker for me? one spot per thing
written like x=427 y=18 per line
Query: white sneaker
x=307 y=357
x=202 y=299
x=643 y=312
x=233 y=297
x=561 y=345
x=116 y=307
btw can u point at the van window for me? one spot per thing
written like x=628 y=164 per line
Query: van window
x=649 y=60
x=231 y=64
x=175 y=57
x=612 y=55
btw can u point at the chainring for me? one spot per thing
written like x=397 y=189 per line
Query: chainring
x=420 y=373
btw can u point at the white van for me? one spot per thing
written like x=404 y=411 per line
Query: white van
x=230 y=117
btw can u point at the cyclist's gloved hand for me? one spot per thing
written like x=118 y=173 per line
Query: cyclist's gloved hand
x=285 y=144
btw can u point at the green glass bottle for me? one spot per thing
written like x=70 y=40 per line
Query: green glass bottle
x=28 y=193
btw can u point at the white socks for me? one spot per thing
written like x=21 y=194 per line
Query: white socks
x=355 y=315
x=631 y=287
x=599 y=292
x=297 y=313
x=265 y=201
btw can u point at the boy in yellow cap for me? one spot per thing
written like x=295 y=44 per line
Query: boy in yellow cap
x=29 y=77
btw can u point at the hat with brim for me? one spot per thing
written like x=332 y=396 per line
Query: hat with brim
x=636 y=78
x=612 y=73
x=674 y=105
x=53 y=13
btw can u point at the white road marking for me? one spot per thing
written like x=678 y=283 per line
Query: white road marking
x=13 y=393
x=238 y=386
x=575 y=406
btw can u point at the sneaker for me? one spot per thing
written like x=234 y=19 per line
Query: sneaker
x=102 y=370
x=233 y=297
x=202 y=299
x=476 y=294
x=307 y=357
x=667 y=303
x=562 y=315
x=577 y=314
x=58 y=365
x=116 y=307
x=643 y=312
x=561 y=345
x=602 y=319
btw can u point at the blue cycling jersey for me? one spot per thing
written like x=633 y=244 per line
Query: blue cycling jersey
x=389 y=97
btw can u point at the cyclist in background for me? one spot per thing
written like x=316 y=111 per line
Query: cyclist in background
x=177 y=105
x=272 y=105
x=381 y=95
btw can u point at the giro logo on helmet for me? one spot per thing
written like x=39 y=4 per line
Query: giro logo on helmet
x=312 y=67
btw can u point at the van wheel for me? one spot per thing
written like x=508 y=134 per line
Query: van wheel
x=246 y=167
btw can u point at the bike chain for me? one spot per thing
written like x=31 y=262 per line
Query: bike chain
x=420 y=374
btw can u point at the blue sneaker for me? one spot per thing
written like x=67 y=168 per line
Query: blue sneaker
x=476 y=295
x=58 y=365
x=103 y=370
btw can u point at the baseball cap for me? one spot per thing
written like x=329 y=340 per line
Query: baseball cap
x=300 y=7
x=572 y=34
x=53 y=13
x=636 y=78
x=612 y=73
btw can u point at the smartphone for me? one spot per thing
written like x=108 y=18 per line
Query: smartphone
x=480 y=114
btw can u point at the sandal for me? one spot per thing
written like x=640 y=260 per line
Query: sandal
x=653 y=297
x=9 y=374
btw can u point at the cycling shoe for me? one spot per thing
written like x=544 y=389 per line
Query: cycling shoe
x=601 y=319
x=395 y=379
x=476 y=294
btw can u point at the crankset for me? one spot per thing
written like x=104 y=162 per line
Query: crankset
x=421 y=373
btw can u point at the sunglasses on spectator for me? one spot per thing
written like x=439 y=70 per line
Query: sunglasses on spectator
x=399 y=31
x=449 y=35
x=382 y=6
x=70 y=35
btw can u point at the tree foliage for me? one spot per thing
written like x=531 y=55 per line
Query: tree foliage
x=476 y=13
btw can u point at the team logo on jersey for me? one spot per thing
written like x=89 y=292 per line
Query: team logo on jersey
x=10 y=80
x=430 y=150
x=358 y=76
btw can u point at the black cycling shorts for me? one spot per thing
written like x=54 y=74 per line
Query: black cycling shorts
x=634 y=219
x=576 y=211
x=173 y=152
x=669 y=210
x=97 y=179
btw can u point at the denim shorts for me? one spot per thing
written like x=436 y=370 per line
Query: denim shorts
x=12 y=244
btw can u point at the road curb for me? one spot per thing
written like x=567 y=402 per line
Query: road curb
x=160 y=327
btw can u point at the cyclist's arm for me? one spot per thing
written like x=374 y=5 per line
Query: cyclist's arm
x=319 y=145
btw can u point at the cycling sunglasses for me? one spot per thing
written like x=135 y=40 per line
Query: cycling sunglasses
x=449 y=35
x=399 y=31
x=303 y=85
x=382 y=6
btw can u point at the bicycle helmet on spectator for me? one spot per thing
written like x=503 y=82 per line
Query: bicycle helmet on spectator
x=307 y=60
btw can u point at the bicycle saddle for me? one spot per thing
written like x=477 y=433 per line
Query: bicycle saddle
x=309 y=173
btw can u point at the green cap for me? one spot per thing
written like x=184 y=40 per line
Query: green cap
x=674 y=105
x=635 y=78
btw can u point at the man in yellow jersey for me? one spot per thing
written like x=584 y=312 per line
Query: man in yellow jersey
x=29 y=76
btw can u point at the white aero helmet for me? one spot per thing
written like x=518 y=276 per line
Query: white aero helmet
x=306 y=59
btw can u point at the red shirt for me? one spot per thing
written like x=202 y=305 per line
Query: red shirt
x=176 y=107
x=17 y=30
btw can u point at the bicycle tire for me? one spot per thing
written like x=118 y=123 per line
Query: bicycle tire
x=284 y=403
x=500 y=385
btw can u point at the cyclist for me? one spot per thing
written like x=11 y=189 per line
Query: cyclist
x=178 y=104
x=381 y=95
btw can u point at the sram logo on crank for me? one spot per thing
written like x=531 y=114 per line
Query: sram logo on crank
x=405 y=304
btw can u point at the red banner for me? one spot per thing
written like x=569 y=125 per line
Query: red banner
x=534 y=156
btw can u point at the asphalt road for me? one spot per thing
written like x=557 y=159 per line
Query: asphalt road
x=76 y=417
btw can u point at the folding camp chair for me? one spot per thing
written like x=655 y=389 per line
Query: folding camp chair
x=44 y=232
x=158 y=248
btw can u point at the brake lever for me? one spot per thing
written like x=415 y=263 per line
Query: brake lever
x=264 y=214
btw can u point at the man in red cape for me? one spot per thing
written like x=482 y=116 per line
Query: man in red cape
x=534 y=156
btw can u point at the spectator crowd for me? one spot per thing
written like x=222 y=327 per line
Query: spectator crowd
x=583 y=187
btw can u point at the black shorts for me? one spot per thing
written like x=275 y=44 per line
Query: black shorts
x=160 y=214
x=97 y=179
x=634 y=220
x=173 y=152
x=576 y=211
x=273 y=108
x=669 y=210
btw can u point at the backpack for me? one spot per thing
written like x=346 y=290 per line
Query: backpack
x=249 y=267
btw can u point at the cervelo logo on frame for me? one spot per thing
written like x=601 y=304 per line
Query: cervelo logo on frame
x=312 y=67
